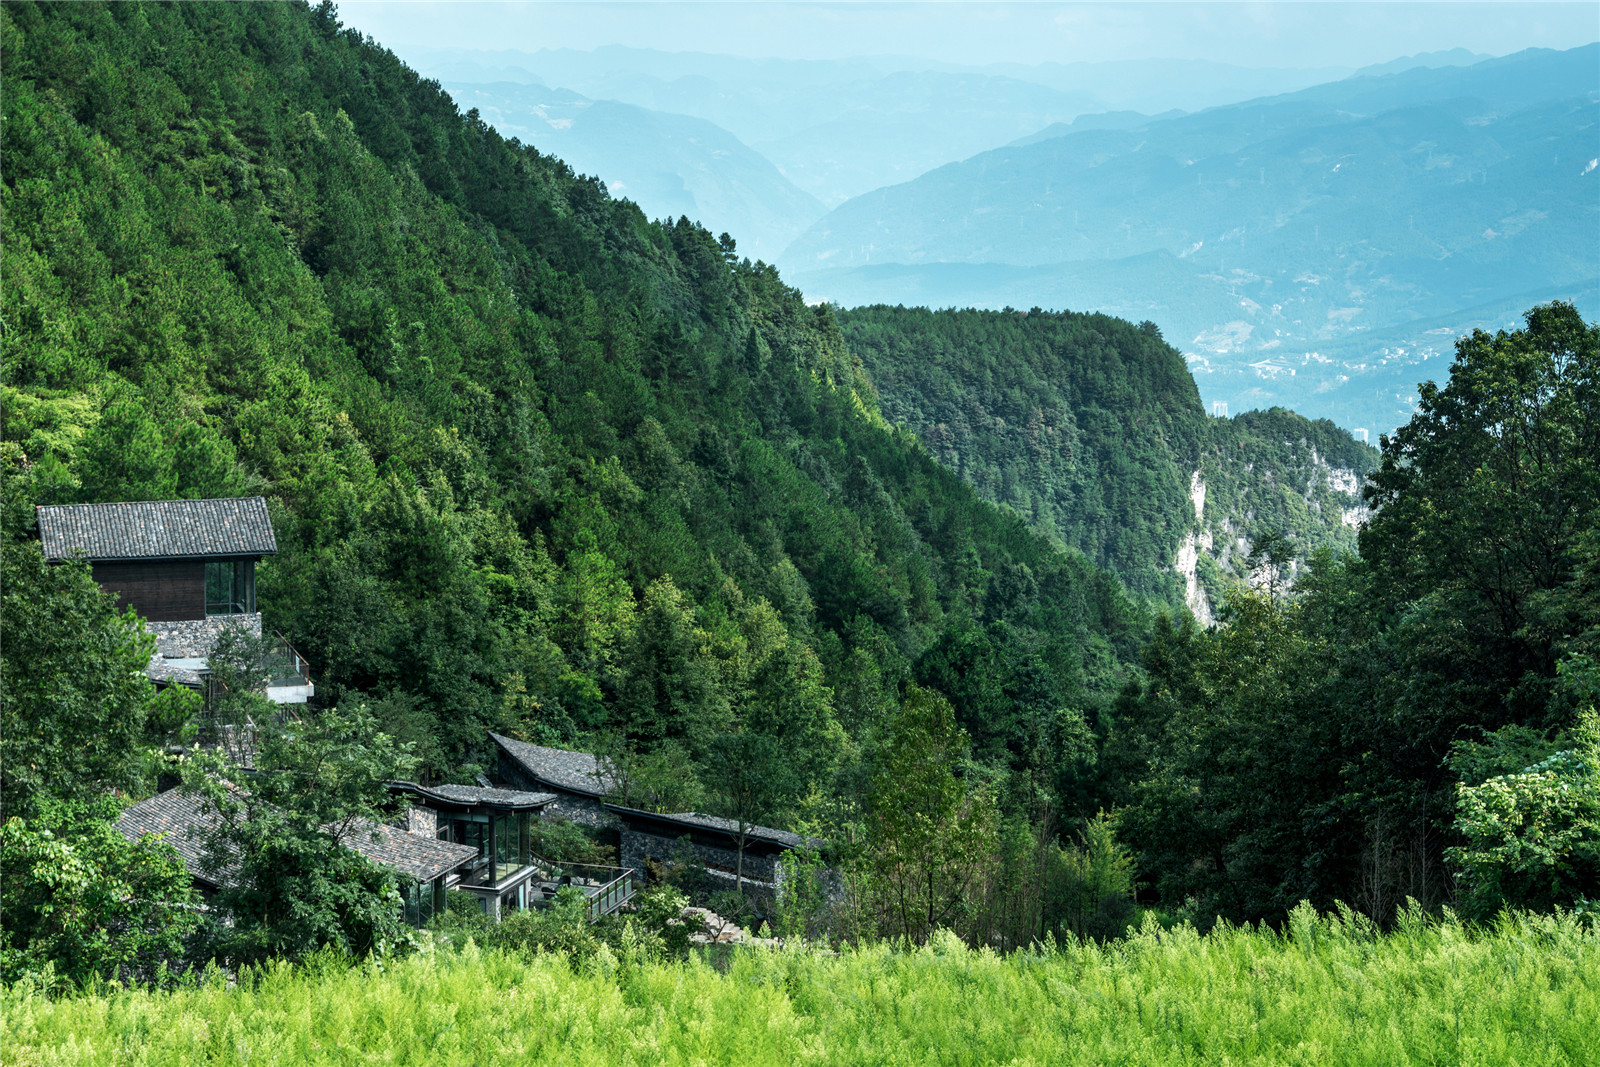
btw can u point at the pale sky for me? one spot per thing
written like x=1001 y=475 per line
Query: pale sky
x=1248 y=34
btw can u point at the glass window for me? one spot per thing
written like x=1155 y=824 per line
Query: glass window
x=473 y=831
x=230 y=587
x=505 y=840
x=423 y=900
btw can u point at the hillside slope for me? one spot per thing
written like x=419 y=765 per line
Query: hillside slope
x=536 y=463
x=670 y=165
x=1092 y=429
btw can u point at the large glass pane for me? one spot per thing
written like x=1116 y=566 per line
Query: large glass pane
x=219 y=587
x=505 y=840
x=467 y=831
x=230 y=587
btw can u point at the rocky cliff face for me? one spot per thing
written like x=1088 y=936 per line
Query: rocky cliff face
x=1188 y=561
x=1252 y=485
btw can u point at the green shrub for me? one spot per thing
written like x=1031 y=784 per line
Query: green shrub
x=1533 y=838
x=79 y=901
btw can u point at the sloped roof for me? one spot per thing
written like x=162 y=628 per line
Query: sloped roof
x=693 y=820
x=474 y=794
x=158 y=529
x=571 y=772
x=422 y=858
x=180 y=818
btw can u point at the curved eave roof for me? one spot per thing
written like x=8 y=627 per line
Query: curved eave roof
x=473 y=796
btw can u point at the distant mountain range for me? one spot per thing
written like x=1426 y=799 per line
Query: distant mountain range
x=670 y=165
x=833 y=129
x=1314 y=249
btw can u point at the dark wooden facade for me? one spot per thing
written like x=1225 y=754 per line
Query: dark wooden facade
x=158 y=589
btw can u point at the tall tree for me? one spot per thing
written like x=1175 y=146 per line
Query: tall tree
x=930 y=835
x=277 y=840
x=1480 y=503
x=752 y=777
x=76 y=709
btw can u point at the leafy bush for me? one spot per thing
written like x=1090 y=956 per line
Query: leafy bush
x=561 y=841
x=651 y=930
x=1533 y=838
x=1090 y=888
x=79 y=901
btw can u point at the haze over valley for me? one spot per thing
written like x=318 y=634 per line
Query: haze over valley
x=1311 y=237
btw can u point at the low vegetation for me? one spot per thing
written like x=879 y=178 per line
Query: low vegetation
x=1330 y=990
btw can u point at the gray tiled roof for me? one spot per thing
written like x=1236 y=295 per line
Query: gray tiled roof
x=422 y=858
x=475 y=794
x=715 y=822
x=180 y=818
x=158 y=529
x=572 y=772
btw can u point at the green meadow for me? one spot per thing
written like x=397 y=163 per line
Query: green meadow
x=1326 y=990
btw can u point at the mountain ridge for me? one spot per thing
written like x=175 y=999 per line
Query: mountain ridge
x=1295 y=227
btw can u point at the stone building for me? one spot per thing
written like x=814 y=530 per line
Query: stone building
x=424 y=864
x=188 y=568
x=713 y=842
x=579 y=781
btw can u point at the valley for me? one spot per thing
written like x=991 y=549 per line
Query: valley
x=435 y=581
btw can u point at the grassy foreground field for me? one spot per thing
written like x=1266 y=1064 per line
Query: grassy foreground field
x=1328 y=992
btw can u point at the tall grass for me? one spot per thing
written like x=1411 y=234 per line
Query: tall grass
x=1328 y=990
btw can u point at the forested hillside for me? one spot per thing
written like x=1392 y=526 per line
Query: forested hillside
x=1091 y=429
x=540 y=465
x=537 y=463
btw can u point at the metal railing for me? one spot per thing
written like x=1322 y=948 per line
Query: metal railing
x=608 y=888
x=286 y=667
x=611 y=897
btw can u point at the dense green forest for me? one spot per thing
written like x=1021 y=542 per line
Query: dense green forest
x=540 y=465
x=1092 y=429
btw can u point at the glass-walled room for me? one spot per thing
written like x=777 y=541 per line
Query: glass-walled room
x=503 y=839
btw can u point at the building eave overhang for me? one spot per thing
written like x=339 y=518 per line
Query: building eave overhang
x=756 y=841
x=445 y=802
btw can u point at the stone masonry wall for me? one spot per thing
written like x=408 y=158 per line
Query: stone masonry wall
x=638 y=847
x=194 y=638
x=585 y=811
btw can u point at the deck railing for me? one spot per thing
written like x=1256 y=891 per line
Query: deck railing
x=285 y=666
x=608 y=888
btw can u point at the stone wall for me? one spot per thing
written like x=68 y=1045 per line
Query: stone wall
x=424 y=821
x=194 y=638
x=585 y=811
x=638 y=847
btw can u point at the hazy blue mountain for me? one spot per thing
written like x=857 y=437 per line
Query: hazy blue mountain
x=1104 y=120
x=1453 y=57
x=887 y=130
x=1156 y=85
x=835 y=128
x=670 y=165
x=1284 y=243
